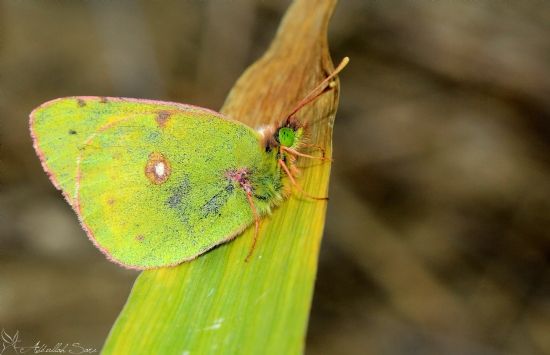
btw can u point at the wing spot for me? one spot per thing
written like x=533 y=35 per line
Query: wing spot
x=81 y=103
x=72 y=131
x=157 y=169
x=162 y=118
x=103 y=100
x=140 y=237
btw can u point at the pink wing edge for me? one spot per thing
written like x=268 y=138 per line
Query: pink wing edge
x=90 y=235
x=76 y=205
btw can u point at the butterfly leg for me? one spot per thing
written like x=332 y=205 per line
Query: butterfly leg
x=316 y=146
x=241 y=177
x=283 y=165
x=294 y=152
x=257 y=220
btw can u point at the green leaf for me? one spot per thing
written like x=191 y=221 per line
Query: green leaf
x=218 y=303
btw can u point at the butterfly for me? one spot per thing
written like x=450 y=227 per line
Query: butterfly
x=158 y=183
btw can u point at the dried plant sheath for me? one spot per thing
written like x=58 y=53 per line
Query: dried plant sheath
x=218 y=303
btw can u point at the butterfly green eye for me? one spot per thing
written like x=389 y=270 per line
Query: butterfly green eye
x=286 y=137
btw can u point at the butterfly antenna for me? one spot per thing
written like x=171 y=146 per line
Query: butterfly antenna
x=307 y=100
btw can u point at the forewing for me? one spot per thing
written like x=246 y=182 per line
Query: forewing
x=134 y=219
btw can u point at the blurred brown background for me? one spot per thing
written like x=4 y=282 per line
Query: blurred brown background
x=438 y=230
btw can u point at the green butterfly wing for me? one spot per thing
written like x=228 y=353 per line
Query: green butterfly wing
x=149 y=180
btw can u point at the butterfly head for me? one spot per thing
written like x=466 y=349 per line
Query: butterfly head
x=291 y=133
